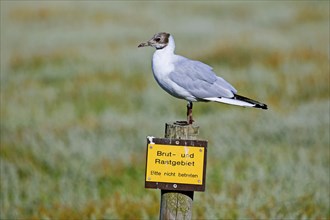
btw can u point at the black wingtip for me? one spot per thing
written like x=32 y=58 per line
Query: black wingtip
x=251 y=101
x=262 y=106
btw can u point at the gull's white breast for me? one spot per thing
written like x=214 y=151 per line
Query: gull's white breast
x=162 y=66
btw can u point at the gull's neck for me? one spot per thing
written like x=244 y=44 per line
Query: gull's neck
x=168 y=50
x=162 y=60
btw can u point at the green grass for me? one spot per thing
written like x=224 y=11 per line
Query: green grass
x=78 y=99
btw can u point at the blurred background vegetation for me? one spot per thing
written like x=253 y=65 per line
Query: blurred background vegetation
x=78 y=99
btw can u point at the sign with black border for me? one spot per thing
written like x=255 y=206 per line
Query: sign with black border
x=175 y=164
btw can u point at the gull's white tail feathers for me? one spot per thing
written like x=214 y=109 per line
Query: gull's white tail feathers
x=238 y=100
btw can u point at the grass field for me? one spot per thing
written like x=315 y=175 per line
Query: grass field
x=78 y=99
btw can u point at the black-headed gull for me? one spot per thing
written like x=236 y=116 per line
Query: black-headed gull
x=189 y=79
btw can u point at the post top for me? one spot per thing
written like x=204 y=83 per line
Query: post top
x=181 y=130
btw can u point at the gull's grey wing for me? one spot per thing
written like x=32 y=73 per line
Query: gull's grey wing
x=199 y=79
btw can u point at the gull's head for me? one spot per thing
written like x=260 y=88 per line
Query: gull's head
x=158 y=41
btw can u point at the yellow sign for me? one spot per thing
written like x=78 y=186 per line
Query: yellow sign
x=175 y=164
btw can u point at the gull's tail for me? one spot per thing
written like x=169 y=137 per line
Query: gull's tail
x=255 y=104
x=240 y=101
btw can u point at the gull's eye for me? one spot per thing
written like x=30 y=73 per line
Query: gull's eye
x=157 y=39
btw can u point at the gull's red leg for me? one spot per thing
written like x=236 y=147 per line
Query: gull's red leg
x=189 y=113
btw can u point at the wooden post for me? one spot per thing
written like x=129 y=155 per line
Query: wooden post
x=178 y=204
